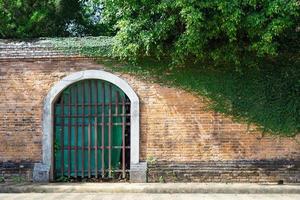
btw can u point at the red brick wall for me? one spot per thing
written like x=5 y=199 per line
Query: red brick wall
x=176 y=128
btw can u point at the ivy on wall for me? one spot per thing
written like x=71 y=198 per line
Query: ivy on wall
x=267 y=96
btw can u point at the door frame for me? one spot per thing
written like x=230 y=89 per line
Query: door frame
x=47 y=124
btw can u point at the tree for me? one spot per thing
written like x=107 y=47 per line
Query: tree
x=26 y=18
x=36 y=18
x=221 y=31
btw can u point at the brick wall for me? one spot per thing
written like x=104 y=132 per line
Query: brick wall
x=180 y=139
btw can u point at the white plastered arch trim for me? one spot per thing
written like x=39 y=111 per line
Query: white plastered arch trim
x=83 y=75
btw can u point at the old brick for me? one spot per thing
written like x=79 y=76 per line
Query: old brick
x=188 y=142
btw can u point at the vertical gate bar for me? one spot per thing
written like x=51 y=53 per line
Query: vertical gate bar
x=69 y=135
x=89 y=150
x=76 y=130
x=53 y=163
x=103 y=129
x=123 y=138
x=117 y=103
x=62 y=135
x=82 y=132
x=109 y=130
x=96 y=148
x=89 y=128
x=96 y=130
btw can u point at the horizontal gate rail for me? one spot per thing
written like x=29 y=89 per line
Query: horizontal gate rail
x=94 y=148
x=99 y=105
x=116 y=124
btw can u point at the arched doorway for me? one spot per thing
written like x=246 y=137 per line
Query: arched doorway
x=45 y=171
x=91 y=131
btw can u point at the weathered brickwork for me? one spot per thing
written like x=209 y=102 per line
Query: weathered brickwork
x=16 y=171
x=252 y=171
x=180 y=139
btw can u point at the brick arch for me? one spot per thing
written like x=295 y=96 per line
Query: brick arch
x=42 y=171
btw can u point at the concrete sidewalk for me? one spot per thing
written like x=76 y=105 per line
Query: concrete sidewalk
x=145 y=196
x=230 y=188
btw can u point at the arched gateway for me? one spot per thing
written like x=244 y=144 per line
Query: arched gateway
x=90 y=129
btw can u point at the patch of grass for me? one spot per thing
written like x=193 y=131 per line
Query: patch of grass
x=161 y=179
x=151 y=160
x=18 y=179
x=63 y=179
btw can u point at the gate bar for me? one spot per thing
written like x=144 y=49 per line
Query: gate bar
x=89 y=129
x=96 y=147
x=69 y=136
x=109 y=132
x=82 y=133
x=76 y=131
x=96 y=131
x=62 y=136
x=116 y=104
x=123 y=138
x=103 y=129
x=89 y=150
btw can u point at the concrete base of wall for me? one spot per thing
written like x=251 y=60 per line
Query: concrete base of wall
x=40 y=173
x=138 y=172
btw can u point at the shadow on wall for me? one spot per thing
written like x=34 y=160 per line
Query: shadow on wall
x=266 y=96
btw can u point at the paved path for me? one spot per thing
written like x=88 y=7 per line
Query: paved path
x=142 y=196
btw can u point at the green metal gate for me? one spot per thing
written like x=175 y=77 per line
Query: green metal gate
x=91 y=131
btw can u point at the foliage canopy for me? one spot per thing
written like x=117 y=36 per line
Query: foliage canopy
x=221 y=31
x=41 y=18
x=23 y=18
